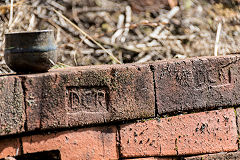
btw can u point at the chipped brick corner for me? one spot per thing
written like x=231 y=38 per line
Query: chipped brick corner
x=164 y=110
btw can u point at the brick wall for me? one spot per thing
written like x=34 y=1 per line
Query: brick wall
x=166 y=110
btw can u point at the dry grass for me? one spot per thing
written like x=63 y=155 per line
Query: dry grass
x=130 y=37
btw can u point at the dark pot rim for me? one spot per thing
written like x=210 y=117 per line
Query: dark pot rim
x=35 y=41
x=29 y=32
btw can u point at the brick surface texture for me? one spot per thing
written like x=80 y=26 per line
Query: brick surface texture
x=197 y=83
x=100 y=94
x=218 y=156
x=89 y=95
x=9 y=147
x=153 y=158
x=12 y=115
x=92 y=143
x=65 y=99
x=199 y=133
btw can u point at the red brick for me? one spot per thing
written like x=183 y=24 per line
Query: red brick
x=197 y=83
x=153 y=158
x=88 y=143
x=9 y=147
x=218 y=156
x=198 y=133
x=88 y=95
x=12 y=115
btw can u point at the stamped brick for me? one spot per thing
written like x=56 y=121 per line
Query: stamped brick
x=88 y=95
x=9 y=147
x=218 y=156
x=197 y=133
x=197 y=83
x=88 y=143
x=12 y=115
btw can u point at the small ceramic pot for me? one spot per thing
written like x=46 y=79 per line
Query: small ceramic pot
x=30 y=52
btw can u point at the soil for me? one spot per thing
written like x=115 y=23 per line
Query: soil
x=133 y=30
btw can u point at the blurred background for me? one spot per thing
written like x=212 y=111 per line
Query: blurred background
x=133 y=30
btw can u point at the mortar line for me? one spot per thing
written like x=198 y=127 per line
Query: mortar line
x=149 y=156
x=118 y=140
x=117 y=123
x=23 y=80
x=21 y=152
x=155 y=94
x=236 y=115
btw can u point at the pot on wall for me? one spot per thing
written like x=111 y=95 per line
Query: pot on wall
x=30 y=52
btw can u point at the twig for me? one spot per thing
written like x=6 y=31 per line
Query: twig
x=89 y=37
x=95 y=9
x=217 y=39
x=60 y=65
x=87 y=42
x=120 y=29
x=4 y=8
x=62 y=30
x=124 y=47
x=31 y=23
x=127 y=25
x=170 y=15
x=58 y=27
x=56 y=5
x=74 y=57
x=146 y=58
x=11 y=14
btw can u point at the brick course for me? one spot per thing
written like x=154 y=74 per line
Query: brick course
x=197 y=83
x=12 y=115
x=88 y=95
x=199 y=133
x=99 y=94
x=153 y=158
x=218 y=156
x=89 y=143
x=83 y=96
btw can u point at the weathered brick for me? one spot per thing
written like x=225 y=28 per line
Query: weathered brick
x=88 y=95
x=197 y=83
x=218 y=156
x=9 y=147
x=198 y=133
x=153 y=158
x=88 y=143
x=12 y=115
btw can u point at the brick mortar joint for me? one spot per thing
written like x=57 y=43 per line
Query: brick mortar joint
x=154 y=86
x=24 y=88
x=21 y=146
x=117 y=124
x=118 y=140
x=238 y=132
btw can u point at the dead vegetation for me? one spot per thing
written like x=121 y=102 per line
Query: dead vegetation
x=130 y=32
